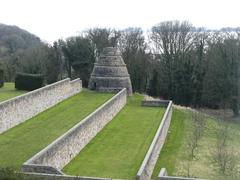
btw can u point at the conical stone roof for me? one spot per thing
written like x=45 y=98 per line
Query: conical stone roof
x=110 y=72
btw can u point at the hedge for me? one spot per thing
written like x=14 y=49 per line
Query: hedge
x=1 y=78
x=29 y=82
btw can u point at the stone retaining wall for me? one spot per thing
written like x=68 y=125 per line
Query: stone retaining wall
x=21 y=108
x=147 y=167
x=155 y=103
x=41 y=176
x=163 y=176
x=66 y=147
x=76 y=86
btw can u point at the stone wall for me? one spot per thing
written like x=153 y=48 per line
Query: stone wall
x=21 y=108
x=66 y=147
x=41 y=176
x=147 y=167
x=155 y=103
x=163 y=176
x=76 y=86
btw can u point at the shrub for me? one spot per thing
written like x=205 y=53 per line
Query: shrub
x=1 y=78
x=28 y=82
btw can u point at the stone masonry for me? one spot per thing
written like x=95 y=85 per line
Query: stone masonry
x=110 y=73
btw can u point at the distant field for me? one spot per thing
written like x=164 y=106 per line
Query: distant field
x=173 y=155
x=8 y=91
x=119 y=149
x=21 y=142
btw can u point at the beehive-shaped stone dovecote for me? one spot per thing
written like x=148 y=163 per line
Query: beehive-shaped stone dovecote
x=110 y=72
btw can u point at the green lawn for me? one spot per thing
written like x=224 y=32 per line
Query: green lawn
x=174 y=156
x=119 y=149
x=170 y=151
x=8 y=91
x=21 y=142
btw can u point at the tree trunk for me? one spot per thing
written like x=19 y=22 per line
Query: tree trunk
x=235 y=106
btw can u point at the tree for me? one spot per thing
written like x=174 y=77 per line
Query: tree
x=173 y=41
x=221 y=83
x=224 y=158
x=101 y=38
x=133 y=47
x=79 y=54
x=154 y=86
x=53 y=65
x=58 y=48
x=198 y=56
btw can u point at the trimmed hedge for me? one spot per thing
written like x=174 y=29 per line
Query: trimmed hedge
x=29 y=82
x=1 y=78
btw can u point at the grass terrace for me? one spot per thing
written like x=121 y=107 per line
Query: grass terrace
x=8 y=91
x=119 y=149
x=173 y=145
x=23 y=141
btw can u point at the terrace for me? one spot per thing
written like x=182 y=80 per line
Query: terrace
x=20 y=143
x=119 y=149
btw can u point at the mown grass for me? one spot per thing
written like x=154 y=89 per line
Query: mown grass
x=8 y=91
x=119 y=149
x=170 y=151
x=21 y=142
x=174 y=153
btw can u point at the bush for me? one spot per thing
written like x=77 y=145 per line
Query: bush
x=28 y=82
x=1 y=78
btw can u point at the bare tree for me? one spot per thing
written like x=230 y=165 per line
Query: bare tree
x=198 y=125
x=223 y=156
x=173 y=41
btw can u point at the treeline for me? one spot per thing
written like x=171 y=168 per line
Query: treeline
x=174 y=60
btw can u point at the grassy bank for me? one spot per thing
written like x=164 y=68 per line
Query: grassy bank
x=8 y=91
x=170 y=153
x=174 y=153
x=21 y=142
x=119 y=149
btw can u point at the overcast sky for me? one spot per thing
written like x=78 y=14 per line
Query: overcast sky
x=53 y=19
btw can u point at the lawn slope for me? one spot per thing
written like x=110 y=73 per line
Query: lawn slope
x=170 y=151
x=21 y=142
x=119 y=149
x=8 y=91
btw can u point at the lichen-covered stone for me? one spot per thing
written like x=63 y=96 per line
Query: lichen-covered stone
x=110 y=72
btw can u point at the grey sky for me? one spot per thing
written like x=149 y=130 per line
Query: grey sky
x=53 y=19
